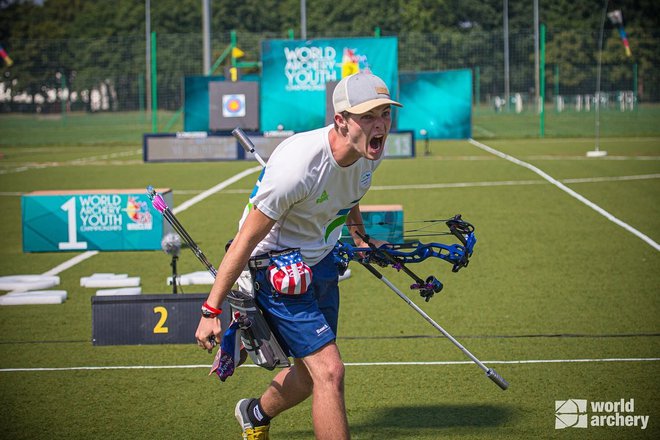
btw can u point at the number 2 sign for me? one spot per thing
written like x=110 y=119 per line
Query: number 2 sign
x=148 y=319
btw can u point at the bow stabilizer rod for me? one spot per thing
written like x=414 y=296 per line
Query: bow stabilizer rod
x=490 y=373
x=247 y=144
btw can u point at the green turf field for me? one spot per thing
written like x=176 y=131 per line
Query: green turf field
x=561 y=301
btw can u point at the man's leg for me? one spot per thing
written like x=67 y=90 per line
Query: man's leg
x=289 y=387
x=328 y=407
x=322 y=375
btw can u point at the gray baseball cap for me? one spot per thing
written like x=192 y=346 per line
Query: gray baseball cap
x=361 y=92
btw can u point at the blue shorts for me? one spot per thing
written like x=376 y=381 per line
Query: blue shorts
x=303 y=323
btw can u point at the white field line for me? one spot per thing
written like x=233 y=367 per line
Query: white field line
x=104 y=158
x=545 y=157
x=68 y=264
x=511 y=183
x=462 y=184
x=550 y=157
x=185 y=205
x=348 y=364
x=83 y=161
x=483 y=130
x=454 y=185
x=219 y=187
x=445 y=185
x=611 y=179
x=442 y=185
x=570 y=192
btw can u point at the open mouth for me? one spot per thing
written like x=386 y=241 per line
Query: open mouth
x=376 y=142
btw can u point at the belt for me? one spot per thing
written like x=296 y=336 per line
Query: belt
x=259 y=261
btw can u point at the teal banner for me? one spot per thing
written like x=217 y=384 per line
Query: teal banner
x=104 y=220
x=295 y=73
x=438 y=102
x=382 y=222
x=196 y=102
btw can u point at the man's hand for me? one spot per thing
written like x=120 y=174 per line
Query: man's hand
x=208 y=328
x=357 y=231
x=378 y=243
x=373 y=256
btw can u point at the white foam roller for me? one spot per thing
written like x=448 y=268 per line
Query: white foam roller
x=201 y=277
x=101 y=276
x=41 y=298
x=28 y=282
x=61 y=293
x=122 y=291
x=111 y=282
x=108 y=275
x=346 y=275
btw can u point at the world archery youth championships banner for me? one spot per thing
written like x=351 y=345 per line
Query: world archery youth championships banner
x=106 y=220
x=295 y=72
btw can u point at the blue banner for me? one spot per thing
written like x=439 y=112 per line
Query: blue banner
x=295 y=72
x=79 y=221
x=438 y=102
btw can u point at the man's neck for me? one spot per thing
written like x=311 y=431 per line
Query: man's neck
x=343 y=154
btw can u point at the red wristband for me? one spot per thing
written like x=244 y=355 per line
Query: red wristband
x=212 y=309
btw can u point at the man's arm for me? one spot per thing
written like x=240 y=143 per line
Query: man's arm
x=254 y=229
x=355 y=226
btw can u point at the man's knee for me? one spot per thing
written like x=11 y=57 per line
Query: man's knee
x=335 y=374
x=326 y=368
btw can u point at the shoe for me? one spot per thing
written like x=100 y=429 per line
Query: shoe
x=250 y=432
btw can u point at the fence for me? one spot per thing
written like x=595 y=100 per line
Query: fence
x=108 y=74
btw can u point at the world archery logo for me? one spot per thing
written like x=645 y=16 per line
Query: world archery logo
x=570 y=413
x=573 y=413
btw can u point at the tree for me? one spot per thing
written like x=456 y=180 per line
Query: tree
x=91 y=42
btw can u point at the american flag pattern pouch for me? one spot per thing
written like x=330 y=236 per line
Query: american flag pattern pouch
x=288 y=273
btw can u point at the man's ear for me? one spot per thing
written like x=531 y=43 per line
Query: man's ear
x=340 y=121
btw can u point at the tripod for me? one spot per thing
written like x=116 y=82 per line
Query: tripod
x=174 y=274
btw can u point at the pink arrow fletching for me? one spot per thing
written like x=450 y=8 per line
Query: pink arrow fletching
x=159 y=203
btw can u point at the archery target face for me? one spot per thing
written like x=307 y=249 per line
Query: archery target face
x=233 y=106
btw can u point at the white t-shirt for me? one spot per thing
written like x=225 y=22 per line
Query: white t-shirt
x=308 y=194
